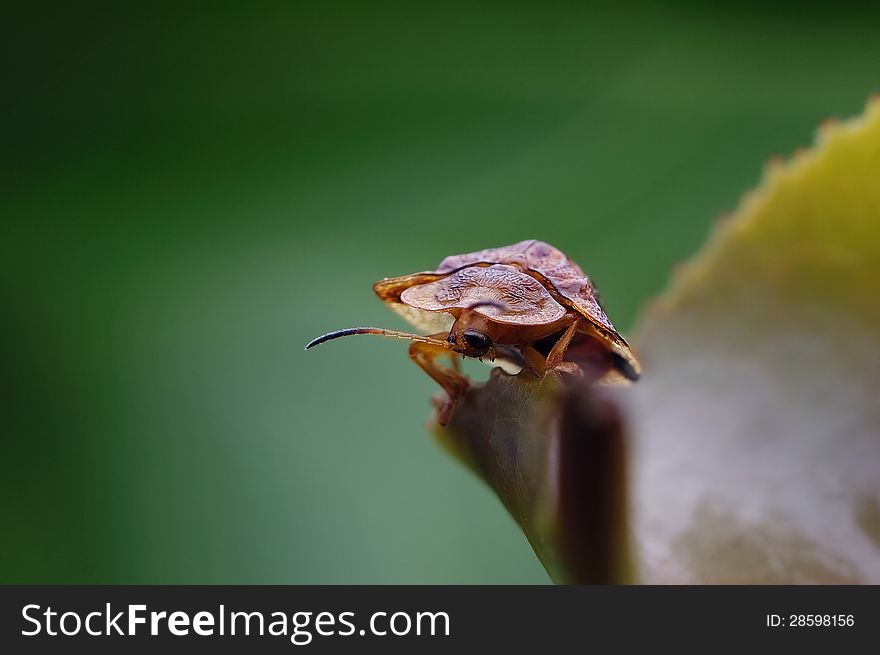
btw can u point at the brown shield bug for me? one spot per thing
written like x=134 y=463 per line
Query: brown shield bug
x=526 y=305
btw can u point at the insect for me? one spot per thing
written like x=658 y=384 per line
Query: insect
x=526 y=306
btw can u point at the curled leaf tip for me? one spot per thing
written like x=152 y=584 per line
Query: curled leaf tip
x=555 y=455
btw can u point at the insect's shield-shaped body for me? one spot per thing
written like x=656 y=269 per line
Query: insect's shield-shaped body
x=526 y=305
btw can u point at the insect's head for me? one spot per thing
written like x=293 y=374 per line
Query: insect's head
x=471 y=334
x=470 y=342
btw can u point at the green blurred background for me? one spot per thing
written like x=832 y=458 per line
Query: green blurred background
x=191 y=193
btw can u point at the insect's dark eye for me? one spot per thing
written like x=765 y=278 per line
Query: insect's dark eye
x=477 y=340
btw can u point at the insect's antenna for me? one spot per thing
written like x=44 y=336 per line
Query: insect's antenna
x=395 y=334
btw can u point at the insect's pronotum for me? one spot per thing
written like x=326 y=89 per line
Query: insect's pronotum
x=526 y=305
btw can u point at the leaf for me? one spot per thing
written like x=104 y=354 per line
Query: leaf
x=555 y=455
x=755 y=432
x=757 y=423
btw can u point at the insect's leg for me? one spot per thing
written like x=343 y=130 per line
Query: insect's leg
x=456 y=362
x=554 y=358
x=535 y=360
x=538 y=364
x=454 y=383
x=424 y=354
